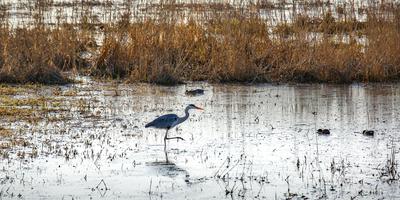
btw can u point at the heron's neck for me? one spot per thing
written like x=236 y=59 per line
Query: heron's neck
x=184 y=118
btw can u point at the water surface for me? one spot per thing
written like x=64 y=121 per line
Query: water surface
x=251 y=142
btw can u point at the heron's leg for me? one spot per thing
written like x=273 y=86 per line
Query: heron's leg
x=165 y=146
x=170 y=138
x=179 y=138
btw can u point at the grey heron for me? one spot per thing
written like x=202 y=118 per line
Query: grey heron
x=169 y=121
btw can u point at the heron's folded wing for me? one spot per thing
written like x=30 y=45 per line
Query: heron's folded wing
x=165 y=121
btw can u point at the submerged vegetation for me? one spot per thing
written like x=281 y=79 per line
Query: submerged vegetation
x=169 y=43
x=90 y=127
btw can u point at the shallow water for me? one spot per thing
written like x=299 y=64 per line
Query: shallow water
x=22 y=13
x=251 y=142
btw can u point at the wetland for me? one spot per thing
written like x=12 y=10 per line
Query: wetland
x=87 y=140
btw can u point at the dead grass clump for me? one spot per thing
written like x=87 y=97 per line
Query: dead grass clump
x=5 y=133
x=9 y=90
x=284 y=30
x=241 y=51
x=165 y=77
x=218 y=42
x=222 y=50
x=390 y=171
x=327 y=24
x=324 y=62
x=263 y=4
x=239 y=48
x=382 y=60
x=25 y=56
x=192 y=6
x=315 y=3
x=15 y=112
x=31 y=102
x=12 y=142
x=39 y=55
x=69 y=45
x=341 y=53
x=113 y=60
x=145 y=51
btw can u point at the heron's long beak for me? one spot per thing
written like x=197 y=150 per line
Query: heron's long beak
x=199 y=108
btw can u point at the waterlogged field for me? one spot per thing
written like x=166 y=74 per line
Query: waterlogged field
x=88 y=141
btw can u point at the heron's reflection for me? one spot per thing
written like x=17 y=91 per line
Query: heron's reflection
x=168 y=169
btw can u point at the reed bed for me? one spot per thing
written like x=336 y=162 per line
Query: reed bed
x=217 y=42
x=40 y=55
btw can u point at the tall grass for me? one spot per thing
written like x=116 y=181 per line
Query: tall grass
x=39 y=54
x=239 y=48
x=218 y=42
x=227 y=49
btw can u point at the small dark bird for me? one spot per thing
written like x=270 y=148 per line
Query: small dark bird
x=323 y=131
x=368 y=132
x=194 y=92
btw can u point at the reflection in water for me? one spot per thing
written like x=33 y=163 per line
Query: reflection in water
x=234 y=135
x=238 y=121
x=167 y=169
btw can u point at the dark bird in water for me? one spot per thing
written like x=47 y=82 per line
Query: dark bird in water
x=368 y=132
x=194 y=92
x=323 y=131
x=169 y=121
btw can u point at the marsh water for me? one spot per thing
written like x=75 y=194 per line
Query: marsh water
x=22 y=13
x=250 y=142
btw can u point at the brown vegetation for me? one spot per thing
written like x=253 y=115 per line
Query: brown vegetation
x=39 y=54
x=228 y=44
x=223 y=50
x=240 y=49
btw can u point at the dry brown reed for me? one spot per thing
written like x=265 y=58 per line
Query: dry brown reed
x=159 y=52
x=226 y=43
x=239 y=48
x=39 y=54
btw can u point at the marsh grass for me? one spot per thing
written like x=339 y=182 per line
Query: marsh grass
x=40 y=55
x=170 y=43
x=4 y=132
x=8 y=90
x=237 y=46
x=31 y=109
x=391 y=168
x=168 y=53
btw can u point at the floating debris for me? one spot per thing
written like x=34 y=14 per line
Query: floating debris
x=323 y=132
x=368 y=132
x=194 y=92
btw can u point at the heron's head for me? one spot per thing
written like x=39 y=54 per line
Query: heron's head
x=192 y=106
